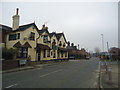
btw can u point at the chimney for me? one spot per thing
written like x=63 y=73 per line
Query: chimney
x=72 y=44
x=44 y=27
x=68 y=43
x=15 y=20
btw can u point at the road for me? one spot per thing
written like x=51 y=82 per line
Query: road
x=71 y=74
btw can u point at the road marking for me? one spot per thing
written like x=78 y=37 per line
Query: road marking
x=51 y=73
x=11 y=85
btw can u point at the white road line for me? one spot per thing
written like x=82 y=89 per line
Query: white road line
x=51 y=73
x=11 y=85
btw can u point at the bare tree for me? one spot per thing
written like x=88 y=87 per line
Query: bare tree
x=97 y=50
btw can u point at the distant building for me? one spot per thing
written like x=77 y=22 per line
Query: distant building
x=115 y=53
x=74 y=53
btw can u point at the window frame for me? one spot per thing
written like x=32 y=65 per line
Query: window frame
x=32 y=36
x=22 y=52
x=45 y=38
x=14 y=36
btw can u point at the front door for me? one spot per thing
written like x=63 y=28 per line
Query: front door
x=39 y=56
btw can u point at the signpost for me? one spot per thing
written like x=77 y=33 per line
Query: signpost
x=22 y=62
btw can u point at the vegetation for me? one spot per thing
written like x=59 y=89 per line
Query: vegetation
x=9 y=54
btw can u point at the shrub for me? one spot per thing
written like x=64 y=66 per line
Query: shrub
x=9 y=54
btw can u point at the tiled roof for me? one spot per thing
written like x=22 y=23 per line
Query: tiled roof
x=5 y=28
x=62 y=49
x=24 y=27
x=51 y=34
x=42 y=46
x=58 y=35
x=18 y=44
x=27 y=45
x=42 y=31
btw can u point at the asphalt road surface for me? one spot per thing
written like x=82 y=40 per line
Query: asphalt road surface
x=70 y=74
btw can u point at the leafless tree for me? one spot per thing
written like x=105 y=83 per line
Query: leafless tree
x=97 y=50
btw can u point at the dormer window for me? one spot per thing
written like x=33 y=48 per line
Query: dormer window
x=32 y=36
x=45 y=38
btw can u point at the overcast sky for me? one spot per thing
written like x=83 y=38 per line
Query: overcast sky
x=82 y=22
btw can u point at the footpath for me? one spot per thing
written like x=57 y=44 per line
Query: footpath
x=21 y=68
x=109 y=75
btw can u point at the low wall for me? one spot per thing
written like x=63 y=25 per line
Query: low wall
x=9 y=64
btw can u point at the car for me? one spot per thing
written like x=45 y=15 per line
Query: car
x=87 y=57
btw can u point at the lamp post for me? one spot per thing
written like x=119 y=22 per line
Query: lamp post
x=102 y=42
x=107 y=47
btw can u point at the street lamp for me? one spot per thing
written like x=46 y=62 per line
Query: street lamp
x=102 y=42
x=107 y=47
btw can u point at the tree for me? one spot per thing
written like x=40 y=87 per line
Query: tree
x=97 y=50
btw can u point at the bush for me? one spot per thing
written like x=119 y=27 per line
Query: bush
x=9 y=54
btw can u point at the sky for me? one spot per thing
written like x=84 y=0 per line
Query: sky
x=81 y=22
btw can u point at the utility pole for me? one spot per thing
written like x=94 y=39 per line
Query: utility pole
x=102 y=42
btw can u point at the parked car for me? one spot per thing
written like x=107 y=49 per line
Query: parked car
x=88 y=57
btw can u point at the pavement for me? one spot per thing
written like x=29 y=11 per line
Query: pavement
x=26 y=68
x=109 y=79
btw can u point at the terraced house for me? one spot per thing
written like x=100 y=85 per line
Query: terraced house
x=38 y=45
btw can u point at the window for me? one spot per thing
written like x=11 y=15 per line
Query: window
x=45 y=38
x=22 y=53
x=64 y=45
x=14 y=36
x=32 y=36
x=60 y=44
x=18 y=36
x=48 y=53
x=44 y=55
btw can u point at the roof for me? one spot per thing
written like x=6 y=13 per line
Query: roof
x=42 y=46
x=42 y=31
x=27 y=45
x=62 y=49
x=18 y=44
x=5 y=28
x=51 y=34
x=71 y=48
x=24 y=27
x=58 y=35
